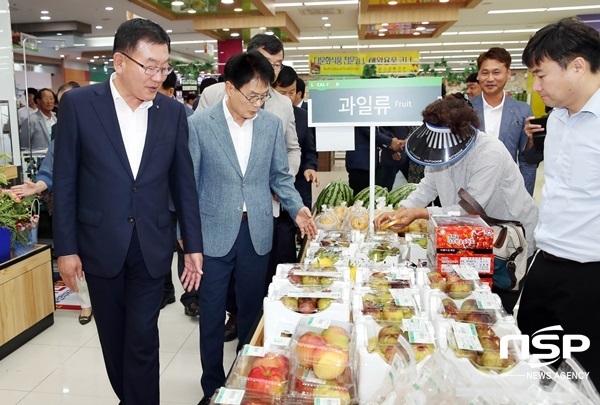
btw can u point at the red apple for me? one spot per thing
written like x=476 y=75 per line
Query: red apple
x=266 y=380
x=307 y=305
x=460 y=289
x=469 y=305
x=450 y=308
x=490 y=342
x=392 y=350
x=374 y=312
x=330 y=362
x=422 y=350
x=275 y=360
x=389 y=334
x=295 y=279
x=370 y=301
x=307 y=344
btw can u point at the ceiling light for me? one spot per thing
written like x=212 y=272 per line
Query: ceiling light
x=45 y=17
x=387 y=46
x=44 y=12
x=324 y=18
x=383 y=30
x=330 y=3
x=191 y=11
x=519 y=10
x=416 y=33
x=392 y=3
x=98 y=27
x=62 y=56
x=420 y=28
x=425 y=22
x=381 y=34
x=227 y=1
x=59 y=34
x=385 y=24
x=177 y=3
x=169 y=31
x=78 y=58
x=327 y=25
x=269 y=33
x=225 y=29
x=262 y=28
x=92 y=60
x=96 y=57
x=444 y=1
x=572 y=8
x=343 y=37
x=238 y=9
x=235 y=34
x=287 y=5
x=109 y=8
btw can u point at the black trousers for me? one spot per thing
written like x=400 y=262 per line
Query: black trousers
x=563 y=293
x=188 y=296
x=358 y=179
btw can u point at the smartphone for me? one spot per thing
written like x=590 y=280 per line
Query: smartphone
x=539 y=137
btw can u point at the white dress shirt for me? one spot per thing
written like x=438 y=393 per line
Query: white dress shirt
x=241 y=137
x=133 y=125
x=570 y=207
x=492 y=117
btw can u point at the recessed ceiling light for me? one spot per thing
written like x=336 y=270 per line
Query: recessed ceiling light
x=62 y=56
x=169 y=31
x=420 y=28
x=269 y=33
x=262 y=28
x=235 y=34
x=227 y=1
x=109 y=8
x=191 y=11
x=425 y=22
x=92 y=60
x=177 y=3
x=225 y=29
x=384 y=24
x=327 y=25
x=96 y=57
x=416 y=33
x=383 y=30
x=324 y=18
x=44 y=12
x=392 y=3
x=237 y=9
x=78 y=58
x=45 y=17
x=381 y=34
x=98 y=27
x=444 y=1
x=59 y=34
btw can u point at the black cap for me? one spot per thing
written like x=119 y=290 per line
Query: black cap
x=435 y=146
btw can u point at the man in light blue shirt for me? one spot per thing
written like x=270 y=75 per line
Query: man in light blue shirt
x=562 y=285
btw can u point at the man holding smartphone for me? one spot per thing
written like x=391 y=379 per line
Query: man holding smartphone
x=562 y=284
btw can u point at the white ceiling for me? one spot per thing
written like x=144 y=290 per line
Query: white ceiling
x=459 y=45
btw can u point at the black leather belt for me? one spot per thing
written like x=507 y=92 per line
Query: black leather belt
x=244 y=216
x=553 y=258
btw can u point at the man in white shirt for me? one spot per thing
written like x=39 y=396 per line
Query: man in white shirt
x=31 y=106
x=561 y=288
x=502 y=116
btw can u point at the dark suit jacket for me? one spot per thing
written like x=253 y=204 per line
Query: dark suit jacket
x=359 y=157
x=97 y=202
x=309 y=158
x=386 y=153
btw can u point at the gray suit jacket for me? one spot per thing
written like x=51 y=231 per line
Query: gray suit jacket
x=512 y=133
x=279 y=105
x=222 y=189
x=40 y=135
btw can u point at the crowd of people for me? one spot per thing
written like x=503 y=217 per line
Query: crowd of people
x=224 y=180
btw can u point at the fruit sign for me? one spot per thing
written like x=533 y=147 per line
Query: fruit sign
x=359 y=102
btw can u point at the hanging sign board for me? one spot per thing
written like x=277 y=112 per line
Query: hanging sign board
x=364 y=64
x=374 y=102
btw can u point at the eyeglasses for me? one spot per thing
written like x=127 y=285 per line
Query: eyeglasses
x=151 y=70
x=254 y=99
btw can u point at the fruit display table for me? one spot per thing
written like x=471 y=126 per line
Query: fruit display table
x=26 y=298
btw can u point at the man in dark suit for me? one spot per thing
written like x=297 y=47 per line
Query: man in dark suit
x=298 y=100
x=393 y=161
x=120 y=149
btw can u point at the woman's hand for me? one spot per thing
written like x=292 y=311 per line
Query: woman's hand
x=399 y=219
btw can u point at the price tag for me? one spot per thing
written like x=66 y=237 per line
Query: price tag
x=329 y=274
x=256 y=351
x=465 y=271
x=395 y=368
x=481 y=264
x=486 y=300
x=415 y=325
x=281 y=341
x=403 y=297
x=327 y=401
x=229 y=396
x=336 y=295
x=318 y=322
x=420 y=337
x=466 y=336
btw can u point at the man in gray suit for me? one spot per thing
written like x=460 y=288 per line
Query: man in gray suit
x=239 y=156
x=272 y=48
x=501 y=116
x=35 y=132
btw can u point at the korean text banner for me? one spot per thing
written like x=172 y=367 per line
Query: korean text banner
x=361 y=102
x=364 y=64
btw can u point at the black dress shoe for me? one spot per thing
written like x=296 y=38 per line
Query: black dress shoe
x=231 y=331
x=84 y=320
x=167 y=300
x=192 y=309
x=204 y=401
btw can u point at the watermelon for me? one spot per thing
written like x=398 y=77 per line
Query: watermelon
x=400 y=193
x=363 y=195
x=333 y=194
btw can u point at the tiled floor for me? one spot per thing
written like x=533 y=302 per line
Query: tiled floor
x=63 y=365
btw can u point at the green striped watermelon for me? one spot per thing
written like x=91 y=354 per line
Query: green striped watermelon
x=333 y=194
x=363 y=195
x=400 y=193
